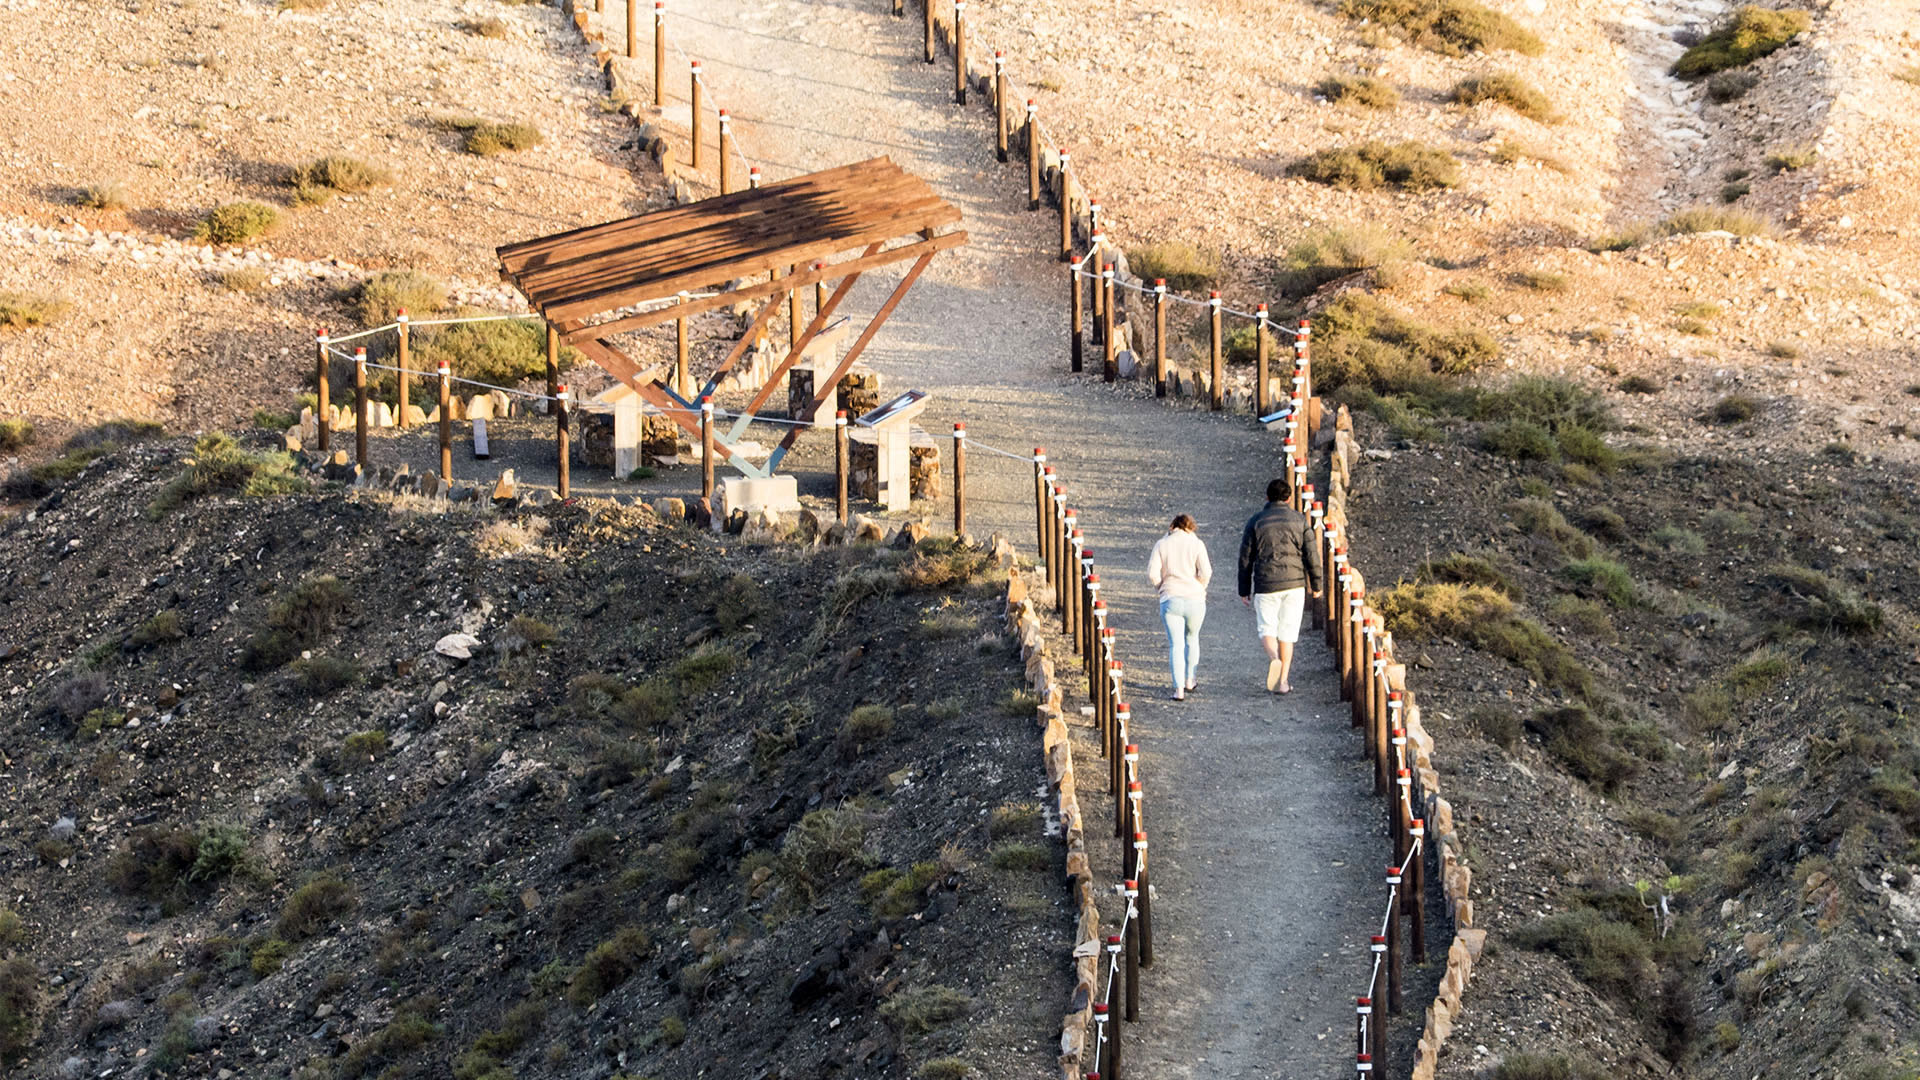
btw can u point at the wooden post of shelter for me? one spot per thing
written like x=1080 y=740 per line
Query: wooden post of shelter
x=726 y=155
x=633 y=28
x=959 y=52
x=840 y=466
x=1261 y=350
x=560 y=438
x=929 y=30
x=405 y=374
x=553 y=360
x=682 y=379
x=1160 y=337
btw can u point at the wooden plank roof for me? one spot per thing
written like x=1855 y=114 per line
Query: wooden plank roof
x=590 y=271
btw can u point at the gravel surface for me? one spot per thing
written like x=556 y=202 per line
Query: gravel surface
x=1257 y=804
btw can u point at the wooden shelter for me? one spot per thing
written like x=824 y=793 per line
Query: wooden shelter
x=755 y=245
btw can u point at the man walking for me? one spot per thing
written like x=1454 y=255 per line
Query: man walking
x=1279 y=566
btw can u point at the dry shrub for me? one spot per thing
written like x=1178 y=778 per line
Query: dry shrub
x=220 y=466
x=1360 y=90
x=110 y=195
x=19 y=311
x=486 y=28
x=314 y=906
x=1506 y=88
x=382 y=297
x=337 y=172
x=1731 y=86
x=942 y=563
x=488 y=140
x=609 y=964
x=1449 y=27
x=1367 y=166
x=920 y=1009
x=15 y=432
x=1337 y=251
x=237 y=223
x=1181 y=265
x=1359 y=340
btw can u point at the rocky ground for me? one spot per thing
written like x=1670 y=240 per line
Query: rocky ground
x=259 y=826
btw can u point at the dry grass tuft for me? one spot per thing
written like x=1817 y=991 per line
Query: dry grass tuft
x=1367 y=166
x=111 y=195
x=1359 y=90
x=237 y=223
x=19 y=311
x=1449 y=27
x=1751 y=33
x=1183 y=266
x=486 y=28
x=1506 y=88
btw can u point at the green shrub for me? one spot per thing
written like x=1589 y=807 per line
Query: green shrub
x=1555 y=404
x=365 y=745
x=1731 y=86
x=1360 y=90
x=703 y=670
x=1521 y=440
x=1728 y=219
x=1183 y=266
x=1606 y=577
x=1734 y=409
x=405 y=1034
x=609 y=964
x=1449 y=27
x=1792 y=158
x=220 y=853
x=14 y=434
x=163 y=628
x=1679 y=540
x=321 y=676
x=237 y=223
x=1367 y=166
x=740 y=603
x=1019 y=855
x=1505 y=88
x=1471 y=291
x=864 y=727
x=268 y=957
x=1529 y=1066
x=1014 y=819
x=502 y=352
x=19 y=1005
x=1537 y=517
x=1484 y=619
x=168 y=863
x=1359 y=341
x=1732 y=193
x=1463 y=569
x=821 y=846
x=671 y=1031
x=920 y=1009
x=12 y=929
x=1335 y=252
x=1500 y=726
x=382 y=297
x=1826 y=604
x=1573 y=736
x=1751 y=33
x=219 y=466
x=315 y=905
x=893 y=895
x=296 y=621
x=19 y=311
x=1241 y=345
x=945 y=1068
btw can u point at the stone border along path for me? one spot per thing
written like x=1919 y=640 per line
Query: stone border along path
x=1264 y=833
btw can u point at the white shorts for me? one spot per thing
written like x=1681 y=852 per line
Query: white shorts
x=1277 y=614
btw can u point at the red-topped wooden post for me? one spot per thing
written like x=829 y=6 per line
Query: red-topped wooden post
x=840 y=465
x=1216 y=392
x=959 y=479
x=1109 y=362
x=446 y=425
x=560 y=438
x=999 y=105
x=1066 y=206
x=360 y=406
x=1260 y=352
x=1076 y=319
x=726 y=154
x=322 y=410
x=405 y=375
x=1033 y=155
x=697 y=154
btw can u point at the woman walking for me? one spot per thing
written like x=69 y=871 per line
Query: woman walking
x=1180 y=570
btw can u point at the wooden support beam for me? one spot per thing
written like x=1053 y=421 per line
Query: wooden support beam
x=823 y=390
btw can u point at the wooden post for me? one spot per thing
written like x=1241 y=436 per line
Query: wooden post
x=999 y=105
x=682 y=379
x=1316 y=521
x=929 y=35
x=1126 y=818
x=599 y=7
x=405 y=375
x=1033 y=155
x=1096 y=250
x=1066 y=206
x=1260 y=353
x=695 y=156
x=633 y=28
x=1110 y=363
x=899 y=9
x=1070 y=585
x=1159 y=337
x=1336 y=595
x=1393 y=940
x=1377 y=706
x=1132 y=955
x=323 y=412
x=726 y=155
x=360 y=407
x=1103 y=1041
x=659 y=50
x=796 y=312
x=1112 y=1071
x=446 y=425
x=959 y=479
x=1040 y=502
x=706 y=457
x=1418 y=889
x=1078 y=315
x=959 y=52
x=560 y=437
x=1216 y=393
x=840 y=465
x=1304 y=362
x=1146 y=895
x=553 y=360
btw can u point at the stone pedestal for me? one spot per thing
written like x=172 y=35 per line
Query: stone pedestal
x=863 y=465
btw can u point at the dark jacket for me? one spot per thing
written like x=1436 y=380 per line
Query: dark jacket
x=1278 y=552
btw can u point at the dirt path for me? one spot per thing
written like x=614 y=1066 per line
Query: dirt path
x=1257 y=804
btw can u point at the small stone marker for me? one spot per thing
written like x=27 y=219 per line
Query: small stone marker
x=504 y=490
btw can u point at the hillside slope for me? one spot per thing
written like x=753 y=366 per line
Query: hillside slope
x=689 y=806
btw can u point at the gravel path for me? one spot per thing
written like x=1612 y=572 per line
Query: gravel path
x=1257 y=804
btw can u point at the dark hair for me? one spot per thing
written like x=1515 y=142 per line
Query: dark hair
x=1278 y=490
x=1183 y=521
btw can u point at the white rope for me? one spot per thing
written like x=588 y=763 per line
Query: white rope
x=363 y=333
x=713 y=102
x=975 y=444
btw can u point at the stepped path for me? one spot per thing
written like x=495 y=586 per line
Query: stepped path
x=1265 y=839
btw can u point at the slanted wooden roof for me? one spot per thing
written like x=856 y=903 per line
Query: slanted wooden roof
x=574 y=276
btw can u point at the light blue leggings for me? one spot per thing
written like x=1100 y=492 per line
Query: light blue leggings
x=1183 y=616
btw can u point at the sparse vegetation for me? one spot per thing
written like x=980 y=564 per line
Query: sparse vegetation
x=1825 y=604
x=1505 y=88
x=1335 y=252
x=245 y=278
x=1734 y=192
x=321 y=676
x=864 y=727
x=1512 y=151
x=1485 y=619
x=1678 y=540
x=109 y=195
x=1783 y=350
x=945 y=1068
x=485 y=138
x=220 y=467
x=1360 y=340
x=1751 y=33
x=1471 y=291
x=1019 y=855
x=609 y=964
x=1359 y=90
x=315 y=905
x=1542 y=280
x=237 y=223
x=1449 y=27
x=1792 y=158
x=918 y=1010
x=1733 y=220
x=19 y=1005
x=18 y=311
x=502 y=352
x=489 y=27
x=1609 y=579
x=298 y=621
x=1529 y=1066
x=316 y=181
x=1693 y=328
x=740 y=603
x=382 y=297
x=15 y=433
x=1184 y=266
x=1367 y=166
x=1639 y=384
x=1730 y=86
x=1734 y=409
